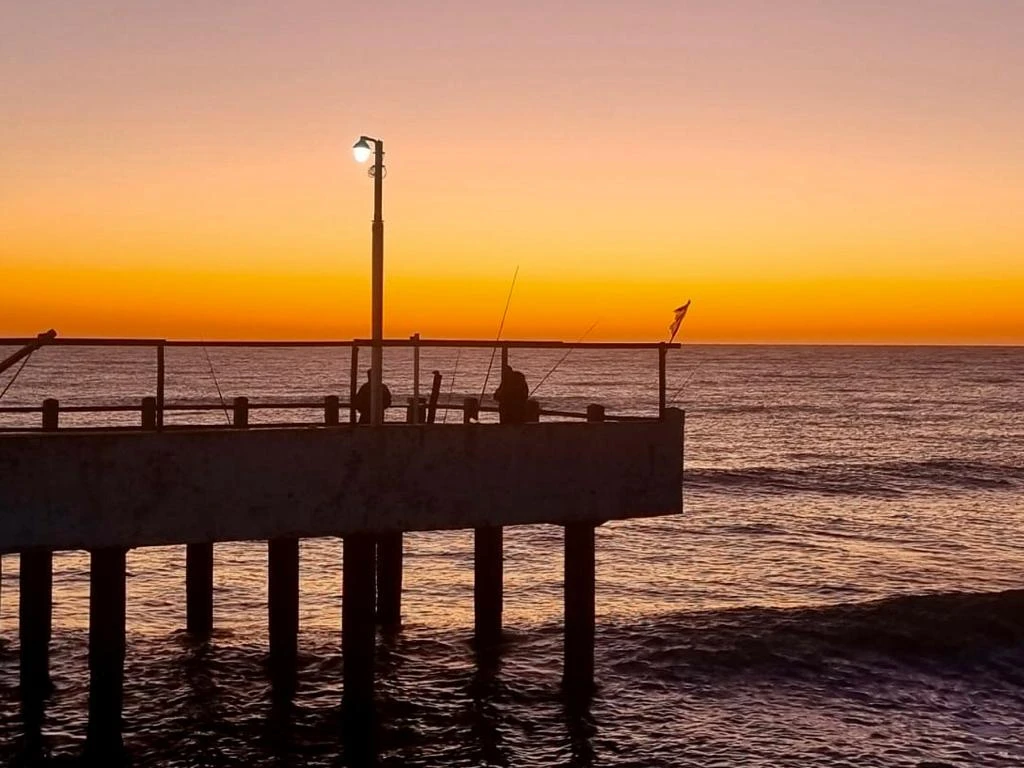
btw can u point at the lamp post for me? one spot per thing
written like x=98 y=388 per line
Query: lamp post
x=362 y=150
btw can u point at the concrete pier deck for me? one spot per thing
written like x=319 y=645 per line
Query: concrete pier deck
x=133 y=489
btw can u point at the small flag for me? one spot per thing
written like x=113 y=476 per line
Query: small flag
x=680 y=314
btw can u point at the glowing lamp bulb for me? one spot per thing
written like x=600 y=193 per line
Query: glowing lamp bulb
x=361 y=151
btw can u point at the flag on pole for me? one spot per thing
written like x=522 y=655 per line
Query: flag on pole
x=680 y=314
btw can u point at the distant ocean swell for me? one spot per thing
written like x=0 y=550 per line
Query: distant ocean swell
x=874 y=479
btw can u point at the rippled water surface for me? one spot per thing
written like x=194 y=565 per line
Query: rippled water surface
x=843 y=588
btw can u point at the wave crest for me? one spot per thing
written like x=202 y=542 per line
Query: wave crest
x=877 y=479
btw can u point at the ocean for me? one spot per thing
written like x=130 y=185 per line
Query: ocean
x=845 y=586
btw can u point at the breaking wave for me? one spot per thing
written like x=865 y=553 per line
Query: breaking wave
x=936 y=630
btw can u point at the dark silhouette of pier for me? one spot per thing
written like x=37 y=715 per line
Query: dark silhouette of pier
x=109 y=489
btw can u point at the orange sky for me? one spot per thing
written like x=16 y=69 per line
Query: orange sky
x=803 y=171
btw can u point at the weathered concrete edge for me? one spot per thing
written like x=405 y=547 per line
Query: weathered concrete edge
x=81 y=491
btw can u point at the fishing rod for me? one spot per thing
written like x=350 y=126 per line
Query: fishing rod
x=451 y=385
x=15 y=376
x=24 y=354
x=562 y=359
x=501 y=326
x=216 y=384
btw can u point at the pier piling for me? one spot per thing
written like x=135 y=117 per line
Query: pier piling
x=389 y=580
x=390 y=553
x=488 y=573
x=199 y=560
x=34 y=620
x=199 y=589
x=106 y=650
x=488 y=584
x=358 y=633
x=35 y=613
x=578 y=672
x=579 y=587
x=282 y=571
x=283 y=603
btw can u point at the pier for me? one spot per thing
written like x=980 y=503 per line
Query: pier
x=108 y=489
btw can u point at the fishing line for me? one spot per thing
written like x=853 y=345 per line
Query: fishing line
x=15 y=376
x=217 y=385
x=562 y=360
x=451 y=386
x=686 y=381
x=497 y=338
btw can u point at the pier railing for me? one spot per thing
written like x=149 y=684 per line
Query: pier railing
x=162 y=407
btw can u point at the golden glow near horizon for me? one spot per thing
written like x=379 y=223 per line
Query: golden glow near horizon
x=805 y=172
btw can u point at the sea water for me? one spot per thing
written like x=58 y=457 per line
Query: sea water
x=844 y=587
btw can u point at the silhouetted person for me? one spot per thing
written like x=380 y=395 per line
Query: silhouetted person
x=363 y=398
x=512 y=394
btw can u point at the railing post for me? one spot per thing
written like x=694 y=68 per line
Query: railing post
x=149 y=413
x=240 y=412
x=160 y=379
x=416 y=411
x=579 y=587
x=35 y=613
x=51 y=414
x=435 y=394
x=416 y=377
x=353 y=386
x=332 y=411
x=662 y=352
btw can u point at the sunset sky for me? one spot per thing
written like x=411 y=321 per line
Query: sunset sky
x=804 y=171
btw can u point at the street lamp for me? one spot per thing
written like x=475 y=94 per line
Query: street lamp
x=362 y=150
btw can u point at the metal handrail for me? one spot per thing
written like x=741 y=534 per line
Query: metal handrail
x=452 y=343
x=160 y=345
